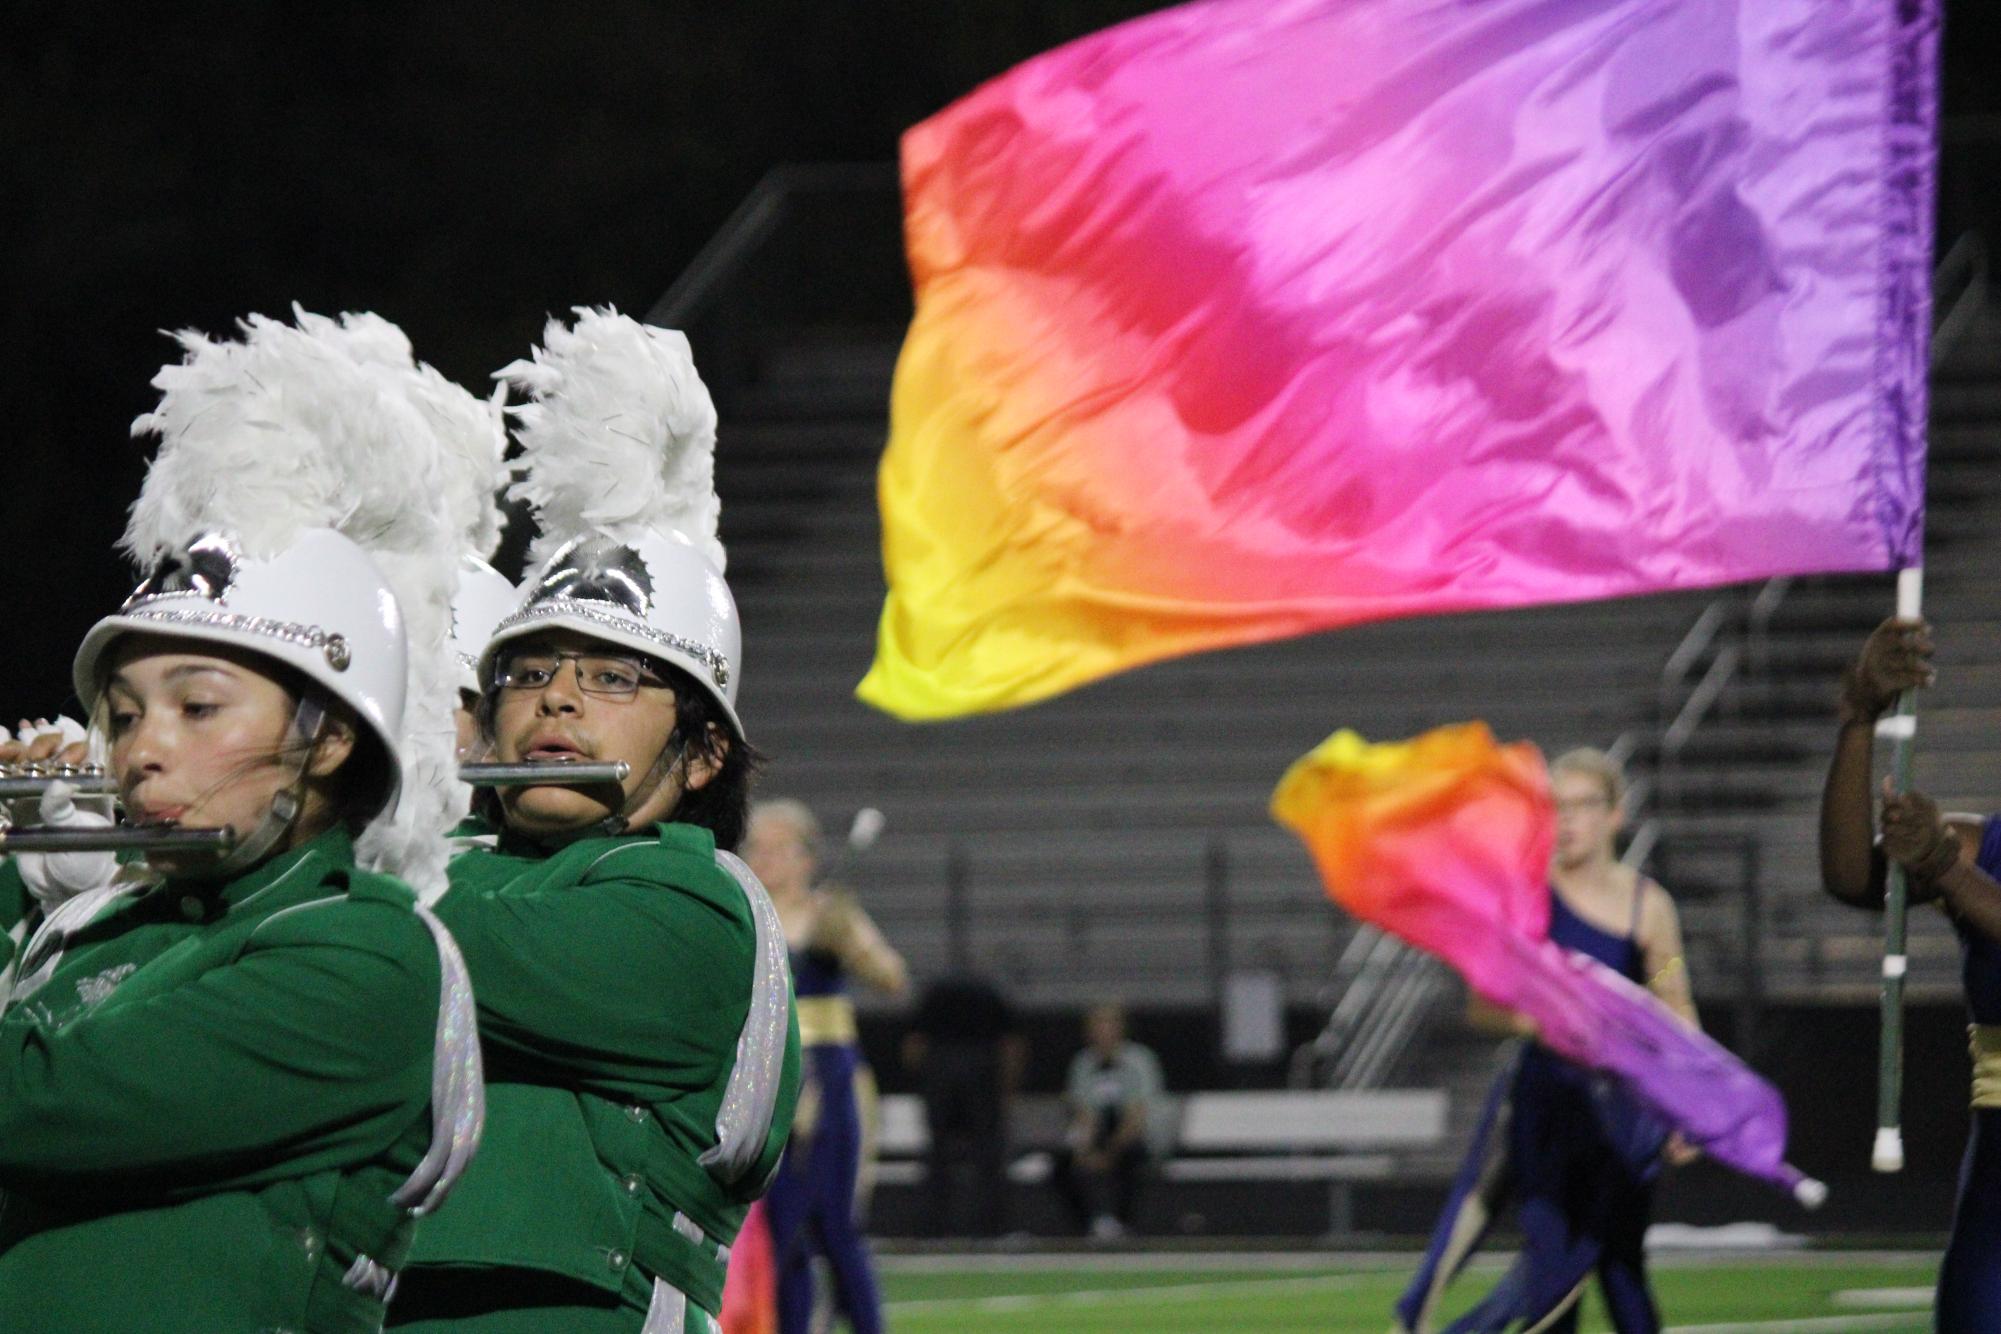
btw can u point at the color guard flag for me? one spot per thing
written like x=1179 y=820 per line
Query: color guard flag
x=1444 y=842
x=1253 y=318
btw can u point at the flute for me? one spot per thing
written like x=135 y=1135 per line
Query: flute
x=32 y=780
x=117 y=838
x=582 y=773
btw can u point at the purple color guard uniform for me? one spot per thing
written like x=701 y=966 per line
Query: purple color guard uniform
x=1578 y=1157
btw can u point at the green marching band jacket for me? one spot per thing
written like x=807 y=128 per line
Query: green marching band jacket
x=217 y=1106
x=642 y=1058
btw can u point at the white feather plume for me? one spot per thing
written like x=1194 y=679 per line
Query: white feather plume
x=333 y=423
x=288 y=429
x=409 y=841
x=474 y=432
x=618 y=436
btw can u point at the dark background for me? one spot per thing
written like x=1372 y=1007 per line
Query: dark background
x=464 y=168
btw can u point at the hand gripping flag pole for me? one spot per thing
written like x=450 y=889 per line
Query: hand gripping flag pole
x=1901 y=727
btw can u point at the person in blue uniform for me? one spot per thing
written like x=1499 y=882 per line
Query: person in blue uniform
x=1575 y=1155
x=1953 y=861
x=816 y=1202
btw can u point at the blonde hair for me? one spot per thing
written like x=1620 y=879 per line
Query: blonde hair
x=795 y=813
x=1596 y=764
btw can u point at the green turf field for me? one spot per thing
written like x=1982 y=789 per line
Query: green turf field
x=1796 y=1294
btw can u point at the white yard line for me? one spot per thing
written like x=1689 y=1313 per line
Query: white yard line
x=1884 y=1323
x=1825 y=1324
x=1140 y=1261
x=1183 y=1260
x=1367 y=1266
x=1030 y=1301
x=1885 y=1297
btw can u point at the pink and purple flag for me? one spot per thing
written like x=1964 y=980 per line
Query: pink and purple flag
x=1444 y=842
x=1253 y=318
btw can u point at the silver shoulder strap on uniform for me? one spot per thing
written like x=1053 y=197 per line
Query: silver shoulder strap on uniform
x=458 y=1083
x=458 y=1105
x=17 y=936
x=750 y=1100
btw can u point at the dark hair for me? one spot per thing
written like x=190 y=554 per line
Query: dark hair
x=358 y=791
x=721 y=805
x=701 y=728
x=361 y=784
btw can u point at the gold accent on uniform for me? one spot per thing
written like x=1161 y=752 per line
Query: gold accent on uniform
x=1985 y=1042
x=825 y=1020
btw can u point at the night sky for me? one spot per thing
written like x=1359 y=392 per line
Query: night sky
x=464 y=169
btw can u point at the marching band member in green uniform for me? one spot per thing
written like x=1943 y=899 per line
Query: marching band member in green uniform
x=634 y=1001
x=226 y=1097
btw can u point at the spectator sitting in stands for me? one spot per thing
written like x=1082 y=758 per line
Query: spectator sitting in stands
x=1113 y=1091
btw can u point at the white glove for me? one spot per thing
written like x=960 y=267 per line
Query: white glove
x=67 y=731
x=55 y=877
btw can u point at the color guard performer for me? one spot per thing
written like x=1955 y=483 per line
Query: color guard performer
x=816 y=1204
x=1574 y=1153
x=1953 y=861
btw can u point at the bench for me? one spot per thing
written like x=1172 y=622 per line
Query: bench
x=1035 y=1126
x=1335 y=1137
x=1285 y=1135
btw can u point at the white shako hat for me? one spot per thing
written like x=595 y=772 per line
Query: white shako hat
x=318 y=605
x=618 y=442
x=293 y=510
x=485 y=597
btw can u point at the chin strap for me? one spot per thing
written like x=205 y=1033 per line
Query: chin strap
x=619 y=822
x=309 y=722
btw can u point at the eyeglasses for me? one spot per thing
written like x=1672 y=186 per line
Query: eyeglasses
x=605 y=675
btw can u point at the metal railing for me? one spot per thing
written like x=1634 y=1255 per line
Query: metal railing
x=1386 y=992
x=1680 y=711
x=1409 y=998
x=765 y=274
x=780 y=196
x=1959 y=291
